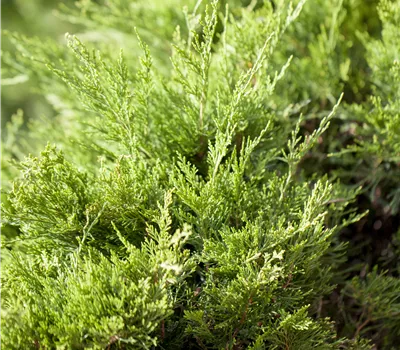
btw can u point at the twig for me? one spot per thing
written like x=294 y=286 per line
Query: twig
x=162 y=330
x=361 y=326
x=288 y=281
x=243 y=318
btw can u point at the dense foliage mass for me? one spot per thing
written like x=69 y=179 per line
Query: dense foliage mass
x=215 y=175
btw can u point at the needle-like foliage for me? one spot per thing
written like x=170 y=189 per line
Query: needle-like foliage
x=172 y=207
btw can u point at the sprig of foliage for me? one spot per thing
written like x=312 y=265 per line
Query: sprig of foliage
x=174 y=210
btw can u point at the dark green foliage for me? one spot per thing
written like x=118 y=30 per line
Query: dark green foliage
x=185 y=198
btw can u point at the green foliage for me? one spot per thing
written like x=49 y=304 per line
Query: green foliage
x=377 y=138
x=176 y=204
x=376 y=302
x=51 y=196
x=118 y=300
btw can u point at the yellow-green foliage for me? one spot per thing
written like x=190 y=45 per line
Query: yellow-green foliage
x=177 y=204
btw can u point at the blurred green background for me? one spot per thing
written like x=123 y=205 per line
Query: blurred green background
x=31 y=18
